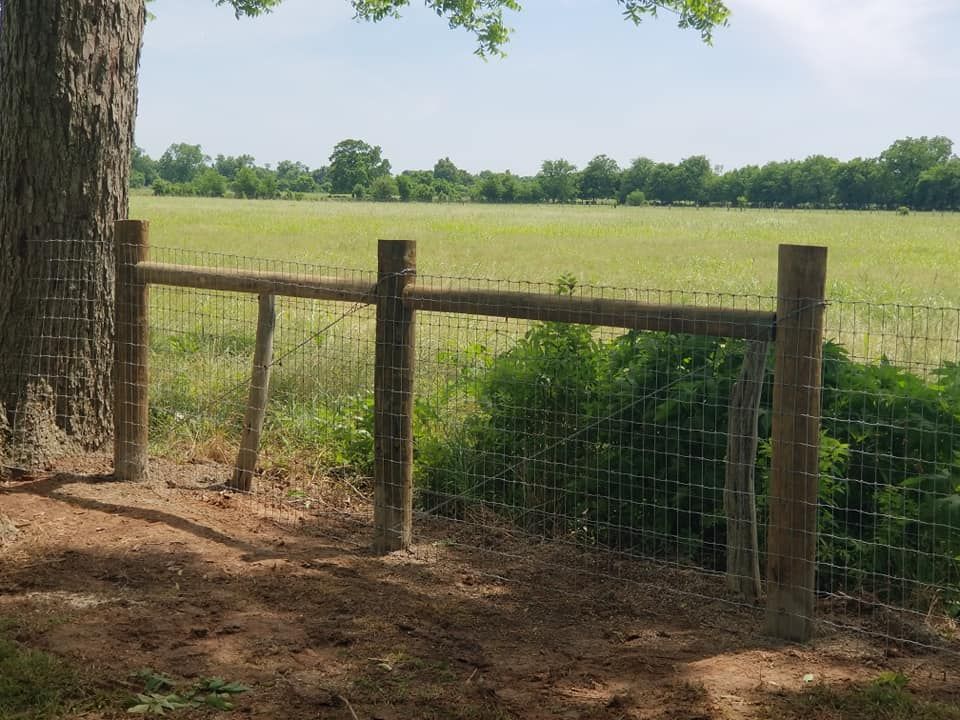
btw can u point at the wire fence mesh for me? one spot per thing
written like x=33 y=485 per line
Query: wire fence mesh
x=581 y=446
x=317 y=430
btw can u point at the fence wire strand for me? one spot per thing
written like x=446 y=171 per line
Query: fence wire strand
x=595 y=451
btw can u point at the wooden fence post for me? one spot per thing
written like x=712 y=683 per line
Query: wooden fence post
x=794 y=474
x=242 y=479
x=393 y=398
x=130 y=352
x=739 y=495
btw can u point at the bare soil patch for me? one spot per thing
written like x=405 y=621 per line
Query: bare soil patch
x=190 y=581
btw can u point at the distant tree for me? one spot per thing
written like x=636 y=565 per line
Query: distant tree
x=354 y=162
x=733 y=186
x=690 y=179
x=529 y=190
x=384 y=189
x=600 y=179
x=863 y=183
x=245 y=183
x=558 y=179
x=294 y=177
x=444 y=169
x=771 y=185
x=404 y=187
x=636 y=198
x=490 y=187
x=637 y=177
x=210 y=183
x=422 y=193
x=908 y=158
x=939 y=187
x=228 y=166
x=143 y=168
x=181 y=163
x=814 y=181
x=266 y=183
x=319 y=175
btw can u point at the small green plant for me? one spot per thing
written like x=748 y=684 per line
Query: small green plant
x=903 y=210
x=885 y=697
x=35 y=685
x=160 y=694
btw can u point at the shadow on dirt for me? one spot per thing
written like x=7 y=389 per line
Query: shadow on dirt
x=118 y=577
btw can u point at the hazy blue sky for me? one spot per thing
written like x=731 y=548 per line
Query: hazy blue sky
x=788 y=78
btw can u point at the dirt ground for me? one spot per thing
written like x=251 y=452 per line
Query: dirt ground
x=177 y=576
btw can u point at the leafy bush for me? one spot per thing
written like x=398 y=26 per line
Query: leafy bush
x=622 y=443
x=384 y=189
x=636 y=198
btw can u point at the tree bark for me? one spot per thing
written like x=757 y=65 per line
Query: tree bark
x=68 y=97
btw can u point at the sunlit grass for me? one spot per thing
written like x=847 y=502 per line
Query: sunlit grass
x=202 y=342
x=878 y=257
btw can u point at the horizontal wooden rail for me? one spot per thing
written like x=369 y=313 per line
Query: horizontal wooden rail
x=312 y=287
x=716 y=322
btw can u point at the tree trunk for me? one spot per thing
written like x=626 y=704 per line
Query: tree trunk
x=68 y=96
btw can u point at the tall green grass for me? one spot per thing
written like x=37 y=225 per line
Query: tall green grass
x=874 y=256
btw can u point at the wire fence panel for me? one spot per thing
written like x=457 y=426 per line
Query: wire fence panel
x=643 y=456
x=317 y=430
x=889 y=521
x=608 y=446
x=606 y=443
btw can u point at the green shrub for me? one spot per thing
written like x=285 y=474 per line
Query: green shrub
x=622 y=444
x=636 y=198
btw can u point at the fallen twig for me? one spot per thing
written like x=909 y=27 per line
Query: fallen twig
x=349 y=707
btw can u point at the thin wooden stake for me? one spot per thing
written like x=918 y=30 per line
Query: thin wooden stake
x=131 y=347
x=393 y=398
x=257 y=402
x=794 y=473
x=739 y=496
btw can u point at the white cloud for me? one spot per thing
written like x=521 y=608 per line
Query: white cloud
x=867 y=40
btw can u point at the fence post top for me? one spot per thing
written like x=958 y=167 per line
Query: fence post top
x=397 y=252
x=794 y=249
x=129 y=223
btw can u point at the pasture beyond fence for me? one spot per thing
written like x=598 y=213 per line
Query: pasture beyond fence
x=814 y=483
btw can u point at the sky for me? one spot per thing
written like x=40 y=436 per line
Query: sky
x=786 y=79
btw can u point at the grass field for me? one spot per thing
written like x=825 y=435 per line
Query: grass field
x=203 y=342
x=875 y=257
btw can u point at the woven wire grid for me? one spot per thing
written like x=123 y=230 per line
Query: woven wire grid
x=889 y=520
x=609 y=446
x=581 y=447
x=58 y=378
x=578 y=446
x=315 y=446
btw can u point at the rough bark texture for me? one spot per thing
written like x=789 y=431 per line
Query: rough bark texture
x=68 y=93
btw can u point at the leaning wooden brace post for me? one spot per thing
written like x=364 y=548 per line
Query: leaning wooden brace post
x=739 y=497
x=130 y=352
x=794 y=473
x=393 y=398
x=257 y=401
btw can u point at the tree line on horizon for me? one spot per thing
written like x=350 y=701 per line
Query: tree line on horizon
x=921 y=173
